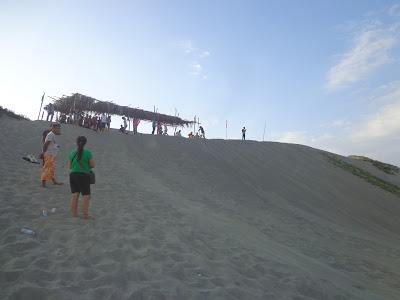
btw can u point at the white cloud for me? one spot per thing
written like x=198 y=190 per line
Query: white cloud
x=374 y=39
x=386 y=122
x=294 y=137
x=370 y=51
x=196 y=68
x=377 y=136
x=340 y=123
x=204 y=54
x=187 y=46
x=195 y=54
x=394 y=10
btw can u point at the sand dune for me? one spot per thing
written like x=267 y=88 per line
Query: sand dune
x=195 y=219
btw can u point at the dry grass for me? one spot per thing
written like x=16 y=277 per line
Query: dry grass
x=387 y=168
x=387 y=186
x=11 y=114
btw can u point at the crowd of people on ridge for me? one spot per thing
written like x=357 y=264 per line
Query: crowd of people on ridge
x=97 y=122
x=102 y=122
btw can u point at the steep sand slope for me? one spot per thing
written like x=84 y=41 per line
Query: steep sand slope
x=194 y=219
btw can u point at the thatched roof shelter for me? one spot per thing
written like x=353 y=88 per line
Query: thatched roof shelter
x=81 y=103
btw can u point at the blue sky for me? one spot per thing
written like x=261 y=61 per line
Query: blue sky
x=320 y=73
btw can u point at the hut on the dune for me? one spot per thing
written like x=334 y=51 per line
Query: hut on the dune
x=81 y=103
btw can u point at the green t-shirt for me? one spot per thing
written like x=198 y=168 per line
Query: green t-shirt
x=83 y=165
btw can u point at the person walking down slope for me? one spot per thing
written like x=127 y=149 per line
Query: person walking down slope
x=80 y=162
x=243 y=133
x=49 y=154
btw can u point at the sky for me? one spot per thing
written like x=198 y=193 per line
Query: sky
x=320 y=73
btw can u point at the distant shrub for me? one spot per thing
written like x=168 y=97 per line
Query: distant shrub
x=387 y=186
x=387 y=168
x=11 y=114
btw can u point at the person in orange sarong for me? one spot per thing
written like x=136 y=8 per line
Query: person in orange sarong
x=50 y=151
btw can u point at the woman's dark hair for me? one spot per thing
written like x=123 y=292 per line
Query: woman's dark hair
x=80 y=142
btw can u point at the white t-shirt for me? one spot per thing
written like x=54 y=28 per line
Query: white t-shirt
x=53 y=147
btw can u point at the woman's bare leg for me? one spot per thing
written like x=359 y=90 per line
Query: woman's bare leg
x=85 y=206
x=74 y=204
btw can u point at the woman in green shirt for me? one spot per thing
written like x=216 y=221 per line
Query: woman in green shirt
x=80 y=163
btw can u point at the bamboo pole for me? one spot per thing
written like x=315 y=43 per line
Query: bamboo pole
x=41 y=104
x=265 y=125
x=226 y=130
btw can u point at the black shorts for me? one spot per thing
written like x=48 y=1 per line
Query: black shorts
x=80 y=183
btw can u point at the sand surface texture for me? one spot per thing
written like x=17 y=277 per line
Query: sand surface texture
x=194 y=219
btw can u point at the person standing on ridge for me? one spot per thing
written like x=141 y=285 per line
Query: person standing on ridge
x=50 y=112
x=108 y=122
x=103 y=122
x=202 y=133
x=80 y=162
x=135 y=125
x=125 y=124
x=159 y=128
x=49 y=154
x=154 y=125
x=243 y=133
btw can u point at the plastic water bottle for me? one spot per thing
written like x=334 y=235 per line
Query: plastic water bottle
x=53 y=210
x=27 y=231
x=44 y=213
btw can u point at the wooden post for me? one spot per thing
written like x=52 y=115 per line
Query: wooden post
x=265 y=125
x=74 y=102
x=176 y=112
x=41 y=104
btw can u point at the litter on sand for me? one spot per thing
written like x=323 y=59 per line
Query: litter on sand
x=31 y=158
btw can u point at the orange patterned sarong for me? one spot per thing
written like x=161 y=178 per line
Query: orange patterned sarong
x=48 y=171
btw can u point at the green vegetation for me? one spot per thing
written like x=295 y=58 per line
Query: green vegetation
x=387 y=168
x=11 y=114
x=387 y=186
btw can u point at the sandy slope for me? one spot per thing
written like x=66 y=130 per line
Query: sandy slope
x=200 y=219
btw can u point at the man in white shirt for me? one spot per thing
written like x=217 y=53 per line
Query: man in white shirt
x=49 y=154
x=103 y=122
